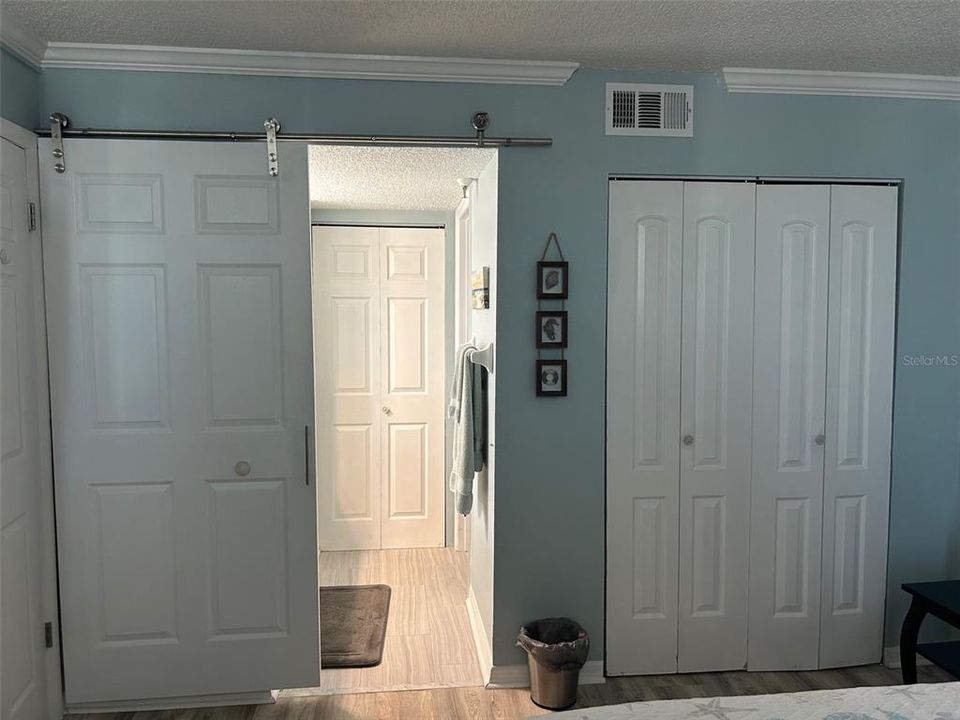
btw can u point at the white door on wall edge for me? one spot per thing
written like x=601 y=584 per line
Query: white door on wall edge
x=790 y=358
x=643 y=426
x=860 y=362
x=379 y=324
x=178 y=298
x=22 y=664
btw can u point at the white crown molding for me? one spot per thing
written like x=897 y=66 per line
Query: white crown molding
x=817 y=82
x=299 y=64
x=21 y=42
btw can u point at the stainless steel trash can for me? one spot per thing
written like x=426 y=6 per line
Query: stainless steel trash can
x=556 y=650
x=552 y=689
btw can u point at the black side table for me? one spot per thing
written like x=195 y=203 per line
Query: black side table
x=942 y=600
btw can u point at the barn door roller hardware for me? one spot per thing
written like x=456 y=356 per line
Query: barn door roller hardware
x=480 y=121
x=272 y=127
x=58 y=121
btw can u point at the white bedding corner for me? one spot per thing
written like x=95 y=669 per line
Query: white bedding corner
x=938 y=701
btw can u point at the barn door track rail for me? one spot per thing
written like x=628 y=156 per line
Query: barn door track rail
x=59 y=130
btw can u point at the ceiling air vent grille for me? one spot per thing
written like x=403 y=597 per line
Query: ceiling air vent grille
x=665 y=110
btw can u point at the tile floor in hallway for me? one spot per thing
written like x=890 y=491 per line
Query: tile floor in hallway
x=429 y=643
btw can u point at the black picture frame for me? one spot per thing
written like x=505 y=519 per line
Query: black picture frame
x=554 y=389
x=552 y=286
x=551 y=331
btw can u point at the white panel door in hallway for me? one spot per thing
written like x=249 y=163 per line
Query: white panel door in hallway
x=22 y=679
x=178 y=293
x=379 y=329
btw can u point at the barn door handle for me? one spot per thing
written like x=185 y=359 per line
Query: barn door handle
x=306 y=455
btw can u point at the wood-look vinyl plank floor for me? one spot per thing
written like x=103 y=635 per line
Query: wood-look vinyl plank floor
x=475 y=703
x=429 y=643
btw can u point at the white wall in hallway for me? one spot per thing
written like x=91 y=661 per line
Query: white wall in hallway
x=484 y=253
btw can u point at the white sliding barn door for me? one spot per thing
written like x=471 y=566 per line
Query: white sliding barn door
x=860 y=341
x=22 y=666
x=178 y=293
x=790 y=354
x=380 y=356
x=346 y=274
x=715 y=420
x=643 y=425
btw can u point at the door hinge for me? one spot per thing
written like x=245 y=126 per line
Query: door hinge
x=31 y=216
x=48 y=634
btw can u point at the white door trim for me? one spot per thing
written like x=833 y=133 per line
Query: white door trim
x=48 y=581
x=463 y=217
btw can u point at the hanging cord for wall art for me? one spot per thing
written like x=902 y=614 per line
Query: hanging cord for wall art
x=551 y=239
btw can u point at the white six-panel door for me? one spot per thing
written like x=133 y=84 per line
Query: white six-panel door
x=178 y=296
x=412 y=392
x=643 y=426
x=860 y=343
x=715 y=409
x=379 y=314
x=346 y=278
x=790 y=359
x=22 y=679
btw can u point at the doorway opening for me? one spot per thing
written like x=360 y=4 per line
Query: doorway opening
x=396 y=236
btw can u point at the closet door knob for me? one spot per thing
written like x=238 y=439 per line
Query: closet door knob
x=242 y=468
x=688 y=439
x=386 y=410
x=820 y=439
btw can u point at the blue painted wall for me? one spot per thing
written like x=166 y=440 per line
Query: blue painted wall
x=549 y=529
x=19 y=91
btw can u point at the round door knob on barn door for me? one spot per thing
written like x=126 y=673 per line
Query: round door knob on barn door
x=688 y=439
x=242 y=468
x=820 y=439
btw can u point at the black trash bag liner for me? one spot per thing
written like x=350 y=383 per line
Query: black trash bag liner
x=555 y=643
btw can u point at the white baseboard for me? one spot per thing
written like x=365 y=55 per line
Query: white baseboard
x=480 y=638
x=263 y=697
x=891 y=658
x=518 y=676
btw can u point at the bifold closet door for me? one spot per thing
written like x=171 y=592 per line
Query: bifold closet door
x=715 y=418
x=178 y=301
x=643 y=426
x=378 y=314
x=411 y=388
x=790 y=358
x=860 y=342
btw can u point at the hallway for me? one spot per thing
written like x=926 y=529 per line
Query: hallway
x=429 y=643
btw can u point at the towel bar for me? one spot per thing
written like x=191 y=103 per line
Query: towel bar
x=483 y=357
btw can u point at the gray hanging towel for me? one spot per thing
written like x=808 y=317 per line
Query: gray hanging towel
x=468 y=410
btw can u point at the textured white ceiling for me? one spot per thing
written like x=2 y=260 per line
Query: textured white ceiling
x=908 y=36
x=391 y=178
